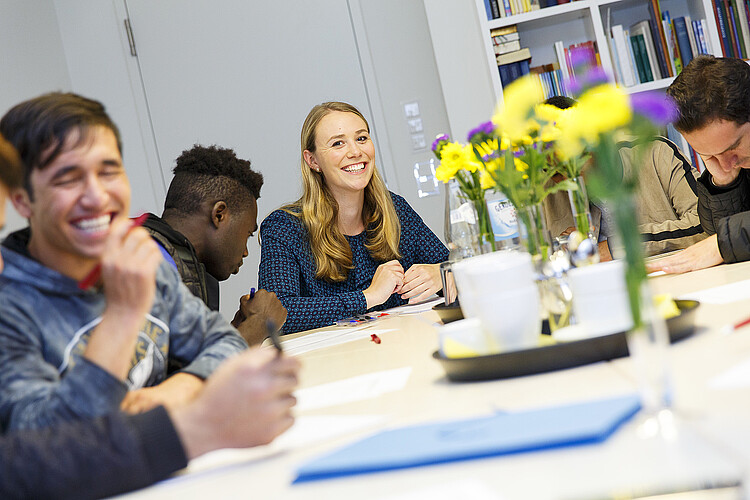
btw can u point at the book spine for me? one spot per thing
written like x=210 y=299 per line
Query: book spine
x=731 y=29
x=638 y=61
x=706 y=40
x=683 y=41
x=726 y=42
x=488 y=9
x=644 y=57
x=654 y=10
x=737 y=27
x=692 y=35
x=742 y=21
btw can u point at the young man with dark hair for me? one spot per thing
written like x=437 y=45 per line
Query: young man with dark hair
x=209 y=213
x=66 y=352
x=117 y=453
x=713 y=100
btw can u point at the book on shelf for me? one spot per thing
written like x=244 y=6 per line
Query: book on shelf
x=622 y=56
x=692 y=35
x=504 y=31
x=643 y=28
x=700 y=36
x=512 y=71
x=659 y=40
x=506 y=47
x=674 y=50
x=515 y=56
x=683 y=40
x=721 y=22
x=732 y=25
x=744 y=23
x=550 y=79
x=505 y=37
x=641 y=58
x=561 y=61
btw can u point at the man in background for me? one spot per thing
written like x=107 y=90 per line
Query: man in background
x=713 y=100
x=209 y=213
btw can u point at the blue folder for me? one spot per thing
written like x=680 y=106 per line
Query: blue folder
x=498 y=434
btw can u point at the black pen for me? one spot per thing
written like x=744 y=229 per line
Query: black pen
x=273 y=334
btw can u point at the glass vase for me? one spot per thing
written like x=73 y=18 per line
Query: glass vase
x=485 y=237
x=461 y=224
x=579 y=203
x=536 y=236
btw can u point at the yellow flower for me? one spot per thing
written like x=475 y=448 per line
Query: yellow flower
x=604 y=108
x=520 y=97
x=487 y=148
x=486 y=181
x=547 y=112
x=493 y=164
x=520 y=165
x=455 y=157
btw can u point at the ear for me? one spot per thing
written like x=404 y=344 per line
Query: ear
x=21 y=202
x=219 y=214
x=310 y=160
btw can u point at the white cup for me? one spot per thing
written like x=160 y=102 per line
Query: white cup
x=600 y=298
x=489 y=274
x=511 y=317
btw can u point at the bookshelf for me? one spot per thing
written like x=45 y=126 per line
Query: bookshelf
x=587 y=20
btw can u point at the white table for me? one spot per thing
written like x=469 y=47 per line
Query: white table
x=715 y=440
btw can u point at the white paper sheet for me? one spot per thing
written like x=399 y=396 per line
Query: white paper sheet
x=415 y=308
x=351 y=389
x=736 y=377
x=307 y=430
x=328 y=338
x=725 y=294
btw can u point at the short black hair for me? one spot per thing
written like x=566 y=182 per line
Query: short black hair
x=211 y=173
x=709 y=89
x=39 y=127
x=11 y=174
x=560 y=101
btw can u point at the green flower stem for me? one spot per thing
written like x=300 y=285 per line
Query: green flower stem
x=621 y=198
x=580 y=204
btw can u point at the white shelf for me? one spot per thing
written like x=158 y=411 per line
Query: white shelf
x=583 y=20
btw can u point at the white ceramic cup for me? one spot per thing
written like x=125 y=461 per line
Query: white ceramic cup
x=600 y=298
x=511 y=317
x=488 y=274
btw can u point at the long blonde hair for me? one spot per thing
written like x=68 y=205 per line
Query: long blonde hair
x=319 y=211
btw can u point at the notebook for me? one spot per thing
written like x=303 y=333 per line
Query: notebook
x=497 y=434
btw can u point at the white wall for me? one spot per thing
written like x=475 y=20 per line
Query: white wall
x=80 y=45
x=32 y=61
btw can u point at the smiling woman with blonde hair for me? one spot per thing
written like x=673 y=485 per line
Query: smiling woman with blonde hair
x=347 y=245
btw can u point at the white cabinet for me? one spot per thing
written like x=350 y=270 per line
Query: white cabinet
x=585 y=20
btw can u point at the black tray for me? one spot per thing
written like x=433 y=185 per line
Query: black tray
x=558 y=356
x=449 y=313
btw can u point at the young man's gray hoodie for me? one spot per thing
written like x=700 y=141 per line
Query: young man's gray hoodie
x=45 y=323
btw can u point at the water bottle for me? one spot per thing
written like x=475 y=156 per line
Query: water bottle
x=503 y=220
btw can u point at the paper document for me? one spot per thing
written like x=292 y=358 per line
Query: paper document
x=351 y=389
x=328 y=338
x=415 y=308
x=725 y=294
x=306 y=431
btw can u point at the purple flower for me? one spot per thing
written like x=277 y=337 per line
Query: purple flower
x=657 y=107
x=439 y=141
x=481 y=133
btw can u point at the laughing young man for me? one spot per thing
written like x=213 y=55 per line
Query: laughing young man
x=67 y=353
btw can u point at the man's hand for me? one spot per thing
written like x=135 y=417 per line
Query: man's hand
x=128 y=273
x=386 y=281
x=250 y=318
x=719 y=175
x=421 y=281
x=701 y=255
x=246 y=402
x=176 y=391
